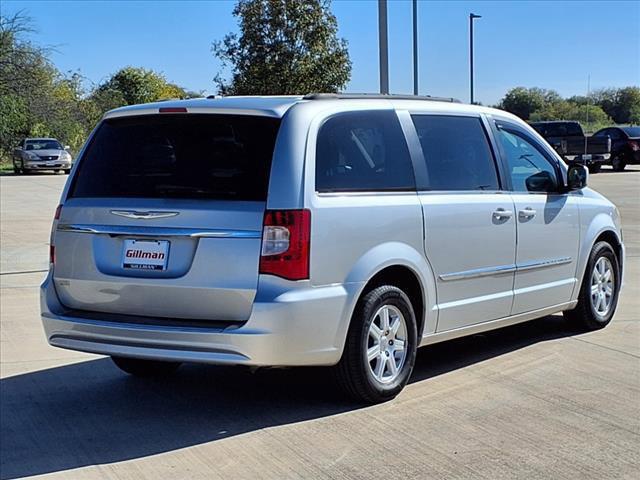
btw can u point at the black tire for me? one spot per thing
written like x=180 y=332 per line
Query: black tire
x=353 y=372
x=16 y=170
x=618 y=164
x=595 y=168
x=67 y=171
x=585 y=316
x=145 y=368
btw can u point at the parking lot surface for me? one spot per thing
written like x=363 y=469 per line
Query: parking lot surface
x=530 y=401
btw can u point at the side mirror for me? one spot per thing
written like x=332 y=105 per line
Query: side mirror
x=67 y=147
x=577 y=177
x=541 y=182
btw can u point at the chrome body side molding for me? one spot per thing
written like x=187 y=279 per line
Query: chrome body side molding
x=502 y=269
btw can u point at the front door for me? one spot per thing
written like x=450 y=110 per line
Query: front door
x=547 y=223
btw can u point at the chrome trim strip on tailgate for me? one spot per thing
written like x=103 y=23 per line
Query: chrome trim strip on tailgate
x=124 y=230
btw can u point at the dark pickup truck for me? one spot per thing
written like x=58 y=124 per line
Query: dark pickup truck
x=573 y=145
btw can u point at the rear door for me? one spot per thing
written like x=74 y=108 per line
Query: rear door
x=470 y=233
x=164 y=216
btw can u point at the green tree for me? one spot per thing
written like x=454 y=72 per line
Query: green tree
x=634 y=115
x=522 y=101
x=131 y=85
x=284 y=47
x=618 y=103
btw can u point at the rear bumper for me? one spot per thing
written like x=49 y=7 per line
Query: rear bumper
x=589 y=159
x=305 y=326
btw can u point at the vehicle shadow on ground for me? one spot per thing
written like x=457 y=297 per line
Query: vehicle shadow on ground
x=90 y=413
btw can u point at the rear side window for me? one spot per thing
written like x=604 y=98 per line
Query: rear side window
x=363 y=151
x=457 y=153
x=179 y=156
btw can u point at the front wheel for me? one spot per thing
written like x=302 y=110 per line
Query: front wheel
x=67 y=171
x=594 y=168
x=598 y=295
x=618 y=164
x=380 y=349
x=145 y=368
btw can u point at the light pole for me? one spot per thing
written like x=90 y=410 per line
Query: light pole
x=472 y=17
x=383 y=46
x=415 y=47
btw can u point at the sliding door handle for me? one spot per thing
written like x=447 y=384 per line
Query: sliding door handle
x=527 y=213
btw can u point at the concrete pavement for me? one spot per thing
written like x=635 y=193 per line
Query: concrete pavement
x=530 y=401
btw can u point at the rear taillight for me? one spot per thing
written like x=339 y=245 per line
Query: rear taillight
x=285 y=244
x=52 y=247
x=633 y=145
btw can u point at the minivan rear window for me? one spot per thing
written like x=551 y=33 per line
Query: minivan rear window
x=193 y=155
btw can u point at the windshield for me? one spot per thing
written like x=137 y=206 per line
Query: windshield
x=179 y=156
x=632 y=131
x=43 y=145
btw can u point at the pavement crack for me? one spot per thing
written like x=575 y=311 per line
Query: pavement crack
x=604 y=346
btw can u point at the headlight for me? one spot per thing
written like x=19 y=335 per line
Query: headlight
x=32 y=156
x=65 y=156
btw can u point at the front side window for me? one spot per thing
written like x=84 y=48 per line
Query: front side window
x=457 y=153
x=529 y=169
x=363 y=151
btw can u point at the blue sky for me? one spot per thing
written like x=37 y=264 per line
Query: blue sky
x=547 y=44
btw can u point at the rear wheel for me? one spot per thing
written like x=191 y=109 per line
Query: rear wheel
x=618 y=164
x=145 y=368
x=381 y=346
x=598 y=295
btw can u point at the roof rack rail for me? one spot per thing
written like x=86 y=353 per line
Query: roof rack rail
x=369 y=96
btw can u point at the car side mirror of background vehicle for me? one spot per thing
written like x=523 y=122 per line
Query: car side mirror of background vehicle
x=67 y=147
x=577 y=177
x=542 y=181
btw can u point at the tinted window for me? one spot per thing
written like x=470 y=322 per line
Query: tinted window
x=363 y=151
x=457 y=153
x=182 y=156
x=632 y=131
x=43 y=145
x=529 y=169
x=568 y=129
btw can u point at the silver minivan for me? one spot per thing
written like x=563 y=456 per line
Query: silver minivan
x=338 y=230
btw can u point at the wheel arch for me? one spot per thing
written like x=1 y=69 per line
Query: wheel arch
x=601 y=229
x=401 y=265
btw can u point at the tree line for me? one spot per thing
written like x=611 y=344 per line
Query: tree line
x=283 y=47
x=598 y=109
